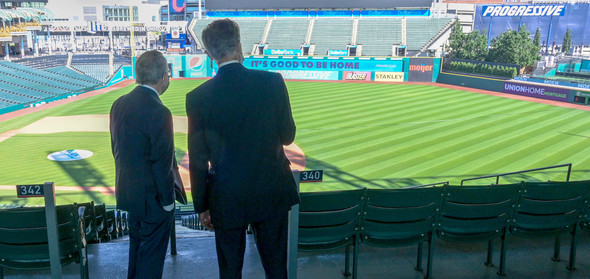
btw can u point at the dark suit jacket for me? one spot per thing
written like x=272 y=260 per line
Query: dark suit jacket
x=239 y=122
x=143 y=146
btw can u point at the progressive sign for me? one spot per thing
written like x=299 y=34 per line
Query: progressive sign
x=523 y=10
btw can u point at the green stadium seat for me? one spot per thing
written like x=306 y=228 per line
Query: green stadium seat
x=111 y=221
x=404 y=217
x=24 y=244
x=551 y=209
x=101 y=223
x=329 y=220
x=477 y=213
x=87 y=211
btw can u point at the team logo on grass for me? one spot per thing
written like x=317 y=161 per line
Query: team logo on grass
x=69 y=155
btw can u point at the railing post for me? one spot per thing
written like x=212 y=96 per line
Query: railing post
x=293 y=234
x=52 y=234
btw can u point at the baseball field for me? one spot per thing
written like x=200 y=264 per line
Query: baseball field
x=361 y=135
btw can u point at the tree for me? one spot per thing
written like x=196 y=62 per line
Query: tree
x=567 y=41
x=472 y=46
x=456 y=41
x=514 y=47
x=537 y=39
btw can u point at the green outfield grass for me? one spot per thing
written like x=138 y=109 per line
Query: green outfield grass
x=361 y=135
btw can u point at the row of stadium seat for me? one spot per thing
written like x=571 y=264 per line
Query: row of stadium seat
x=65 y=71
x=65 y=81
x=406 y=217
x=376 y=35
x=23 y=234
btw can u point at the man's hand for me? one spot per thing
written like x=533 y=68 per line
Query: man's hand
x=205 y=219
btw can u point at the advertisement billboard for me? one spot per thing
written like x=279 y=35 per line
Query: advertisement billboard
x=311 y=75
x=537 y=91
x=364 y=76
x=325 y=64
x=389 y=76
x=421 y=69
x=523 y=10
x=338 y=52
x=177 y=6
x=282 y=52
x=195 y=66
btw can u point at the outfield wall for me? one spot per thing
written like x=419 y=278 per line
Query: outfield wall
x=318 y=68
x=520 y=87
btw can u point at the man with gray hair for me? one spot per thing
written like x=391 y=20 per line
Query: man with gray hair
x=238 y=124
x=142 y=142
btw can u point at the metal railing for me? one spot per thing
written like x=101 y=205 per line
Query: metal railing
x=569 y=170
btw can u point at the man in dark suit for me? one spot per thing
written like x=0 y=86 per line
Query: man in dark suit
x=238 y=124
x=143 y=146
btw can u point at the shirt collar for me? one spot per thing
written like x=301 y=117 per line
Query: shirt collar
x=228 y=62
x=151 y=88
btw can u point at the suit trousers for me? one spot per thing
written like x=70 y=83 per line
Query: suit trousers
x=271 y=240
x=148 y=242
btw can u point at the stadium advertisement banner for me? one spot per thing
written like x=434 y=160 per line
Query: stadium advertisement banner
x=554 y=82
x=338 y=52
x=389 y=77
x=421 y=69
x=177 y=6
x=537 y=91
x=364 y=76
x=195 y=66
x=424 y=12
x=325 y=64
x=523 y=10
x=311 y=75
x=282 y=52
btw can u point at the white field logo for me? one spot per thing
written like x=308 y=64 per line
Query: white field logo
x=69 y=155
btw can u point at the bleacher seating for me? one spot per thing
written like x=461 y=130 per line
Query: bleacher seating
x=378 y=35
x=331 y=34
x=97 y=71
x=44 y=77
x=67 y=72
x=44 y=62
x=24 y=244
x=251 y=31
x=463 y=214
x=420 y=30
x=93 y=65
x=90 y=59
x=287 y=33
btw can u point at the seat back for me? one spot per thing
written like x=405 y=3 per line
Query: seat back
x=101 y=222
x=328 y=220
x=549 y=207
x=86 y=210
x=23 y=237
x=111 y=221
x=399 y=217
x=476 y=212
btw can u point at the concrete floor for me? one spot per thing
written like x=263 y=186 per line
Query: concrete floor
x=197 y=259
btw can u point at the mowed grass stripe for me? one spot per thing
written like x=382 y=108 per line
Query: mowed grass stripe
x=400 y=123
x=502 y=153
x=393 y=115
x=467 y=148
x=413 y=136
